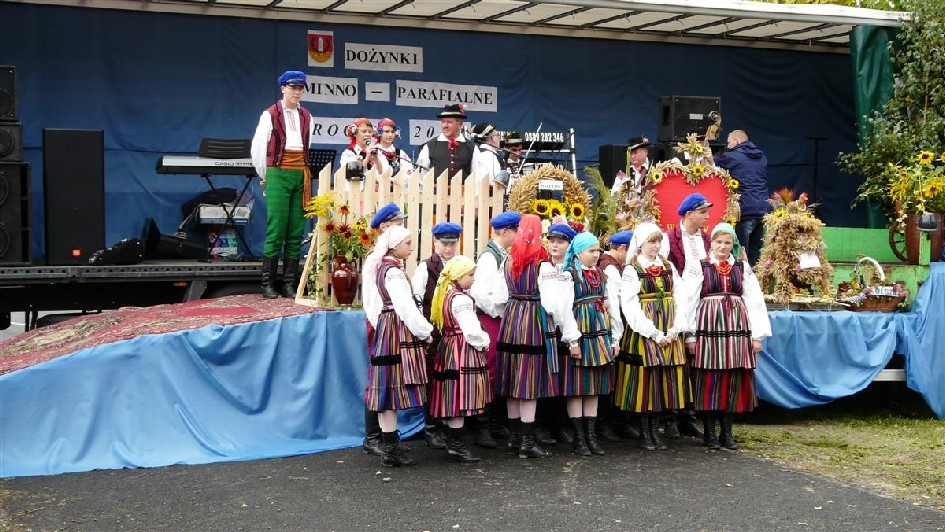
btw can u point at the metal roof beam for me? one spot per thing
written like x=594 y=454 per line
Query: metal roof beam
x=626 y=15
x=525 y=7
x=456 y=8
x=662 y=21
x=562 y=15
x=395 y=7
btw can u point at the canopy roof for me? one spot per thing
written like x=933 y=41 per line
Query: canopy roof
x=816 y=27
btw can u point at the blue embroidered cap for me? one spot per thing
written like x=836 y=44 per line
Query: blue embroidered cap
x=563 y=231
x=292 y=77
x=387 y=213
x=621 y=239
x=505 y=220
x=447 y=231
x=693 y=202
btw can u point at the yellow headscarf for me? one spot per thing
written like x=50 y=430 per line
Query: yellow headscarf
x=455 y=268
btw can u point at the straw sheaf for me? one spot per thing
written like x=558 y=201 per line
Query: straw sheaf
x=791 y=231
x=526 y=189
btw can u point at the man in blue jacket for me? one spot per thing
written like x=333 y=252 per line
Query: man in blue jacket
x=749 y=166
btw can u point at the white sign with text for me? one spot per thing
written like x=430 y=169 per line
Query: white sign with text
x=433 y=94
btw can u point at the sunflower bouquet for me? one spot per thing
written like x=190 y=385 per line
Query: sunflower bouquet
x=348 y=235
x=917 y=186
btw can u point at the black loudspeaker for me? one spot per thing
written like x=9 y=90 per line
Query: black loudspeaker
x=14 y=213
x=7 y=93
x=74 y=194
x=11 y=141
x=158 y=246
x=613 y=158
x=681 y=115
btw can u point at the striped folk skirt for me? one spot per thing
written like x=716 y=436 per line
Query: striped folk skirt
x=522 y=359
x=460 y=380
x=585 y=381
x=397 y=376
x=651 y=389
x=731 y=390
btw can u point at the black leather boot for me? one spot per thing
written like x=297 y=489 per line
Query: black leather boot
x=726 y=438
x=579 y=442
x=645 y=436
x=515 y=436
x=290 y=271
x=688 y=424
x=590 y=430
x=372 y=434
x=671 y=424
x=497 y=421
x=627 y=425
x=269 y=266
x=708 y=435
x=432 y=434
x=481 y=435
x=543 y=436
x=655 y=433
x=393 y=455
x=456 y=450
x=530 y=447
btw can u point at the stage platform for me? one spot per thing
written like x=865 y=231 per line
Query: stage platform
x=238 y=389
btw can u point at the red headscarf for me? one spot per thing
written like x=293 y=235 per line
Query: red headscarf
x=527 y=248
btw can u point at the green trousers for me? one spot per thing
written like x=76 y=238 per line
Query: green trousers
x=285 y=219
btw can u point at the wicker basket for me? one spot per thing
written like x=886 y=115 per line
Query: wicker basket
x=879 y=304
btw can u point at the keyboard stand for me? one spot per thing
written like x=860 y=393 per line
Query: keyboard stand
x=230 y=221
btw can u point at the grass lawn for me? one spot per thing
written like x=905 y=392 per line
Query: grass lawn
x=884 y=439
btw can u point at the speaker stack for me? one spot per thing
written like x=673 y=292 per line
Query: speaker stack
x=14 y=178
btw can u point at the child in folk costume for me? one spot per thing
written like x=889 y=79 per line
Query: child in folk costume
x=589 y=372
x=491 y=295
x=613 y=422
x=651 y=371
x=527 y=352
x=445 y=238
x=460 y=376
x=397 y=375
x=387 y=216
x=729 y=320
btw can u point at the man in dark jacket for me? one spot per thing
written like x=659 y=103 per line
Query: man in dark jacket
x=749 y=166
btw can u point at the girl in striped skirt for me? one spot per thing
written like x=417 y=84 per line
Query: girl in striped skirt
x=651 y=369
x=526 y=349
x=729 y=319
x=460 y=371
x=397 y=375
x=590 y=331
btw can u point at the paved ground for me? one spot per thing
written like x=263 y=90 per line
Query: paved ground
x=685 y=488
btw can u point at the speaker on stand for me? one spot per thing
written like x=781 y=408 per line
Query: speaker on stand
x=74 y=194
x=681 y=115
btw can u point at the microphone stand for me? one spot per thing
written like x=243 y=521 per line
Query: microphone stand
x=529 y=150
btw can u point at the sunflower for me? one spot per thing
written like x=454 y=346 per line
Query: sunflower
x=698 y=170
x=556 y=209
x=364 y=239
x=361 y=224
x=925 y=157
x=577 y=211
x=344 y=210
x=729 y=220
x=733 y=184
x=778 y=213
x=330 y=227
x=540 y=207
x=942 y=157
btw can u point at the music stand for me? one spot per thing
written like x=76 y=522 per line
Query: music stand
x=317 y=159
x=213 y=148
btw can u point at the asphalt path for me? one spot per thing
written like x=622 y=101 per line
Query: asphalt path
x=684 y=488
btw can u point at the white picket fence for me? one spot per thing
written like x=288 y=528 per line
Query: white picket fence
x=426 y=200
